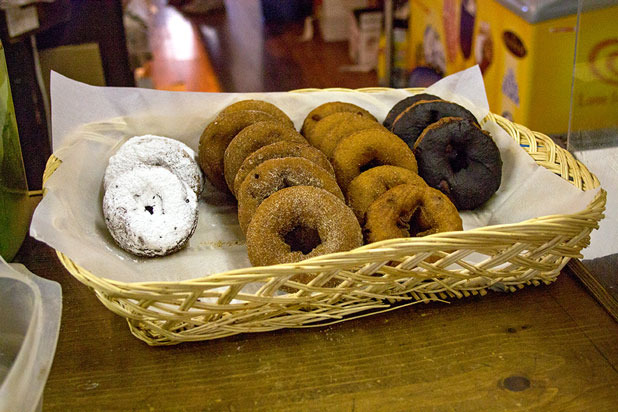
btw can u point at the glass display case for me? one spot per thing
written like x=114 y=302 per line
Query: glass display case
x=524 y=49
x=593 y=137
x=550 y=65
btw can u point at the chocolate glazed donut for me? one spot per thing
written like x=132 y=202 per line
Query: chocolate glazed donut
x=461 y=160
x=410 y=123
x=403 y=105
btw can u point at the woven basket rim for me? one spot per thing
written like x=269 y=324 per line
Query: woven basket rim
x=93 y=279
x=600 y=197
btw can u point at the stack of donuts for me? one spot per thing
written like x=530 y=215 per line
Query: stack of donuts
x=151 y=186
x=290 y=206
x=343 y=180
x=377 y=172
x=454 y=154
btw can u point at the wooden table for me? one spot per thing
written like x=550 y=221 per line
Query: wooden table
x=541 y=348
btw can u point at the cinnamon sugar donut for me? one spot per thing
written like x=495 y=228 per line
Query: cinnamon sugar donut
x=410 y=211
x=251 y=138
x=217 y=135
x=149 y=211
x=329 y=131
x=326 y=109
x=369 y=148
x=298 y=223
x=369 y=185
x=277 y=174
x=150 y=150
x=260 y=106
x=279 y=150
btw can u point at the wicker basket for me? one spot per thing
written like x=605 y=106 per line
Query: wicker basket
x=374 y=278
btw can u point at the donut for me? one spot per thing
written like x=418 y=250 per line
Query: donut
x=461 y=160
x=404 y=104
x=369 y=185
x=279 y=150
x=366 y=149
x=217 y=135
x=330 y=130
x=276 y=174
x=151 y=150
x=251 y=138
x=410 y=123
x=410 y=210
x=327 y=123
x=149 y=211
x=260 y=106
x=326 y=109
x=298 y=223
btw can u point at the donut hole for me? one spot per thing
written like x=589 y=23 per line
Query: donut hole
x=413 y=223
x=370 y=165
x=302 y=239
x=457 y=156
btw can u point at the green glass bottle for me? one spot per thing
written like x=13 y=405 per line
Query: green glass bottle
x=15 y=208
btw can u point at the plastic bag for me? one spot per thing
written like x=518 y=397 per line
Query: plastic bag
x=30 y=310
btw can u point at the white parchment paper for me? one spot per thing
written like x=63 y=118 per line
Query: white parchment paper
x=603 y=163
x=89 y=123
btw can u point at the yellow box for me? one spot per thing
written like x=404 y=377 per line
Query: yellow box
x=527 y=65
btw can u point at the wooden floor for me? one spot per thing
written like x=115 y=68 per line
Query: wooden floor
x=180 y=61
x=233 y=50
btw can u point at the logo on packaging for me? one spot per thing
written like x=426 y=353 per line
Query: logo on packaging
x=603 y=61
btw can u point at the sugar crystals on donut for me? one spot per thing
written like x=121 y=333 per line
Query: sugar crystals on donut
x=318 y=221
x=410 y=210
x=156 y=151
x=152 y=184
x=149 y=211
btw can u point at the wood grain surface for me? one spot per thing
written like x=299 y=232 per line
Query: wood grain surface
x=541 y=348
x=249 y=55
x=179 y=59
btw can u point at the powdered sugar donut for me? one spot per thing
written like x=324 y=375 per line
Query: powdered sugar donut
x=149 y=211
x=151 y=150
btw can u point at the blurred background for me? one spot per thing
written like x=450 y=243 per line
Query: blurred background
x=525 y=49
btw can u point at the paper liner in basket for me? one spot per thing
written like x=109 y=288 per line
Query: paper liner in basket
x=90 y=122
